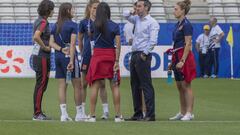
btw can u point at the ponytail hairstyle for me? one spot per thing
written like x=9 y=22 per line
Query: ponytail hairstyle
x=89 y=5
x=63 y=15
x=103 y=14
x=185 y=5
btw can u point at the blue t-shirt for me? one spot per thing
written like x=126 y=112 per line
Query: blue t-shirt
x=68 y=28
x=181 y=30
x=85 y=26
x=107 y=40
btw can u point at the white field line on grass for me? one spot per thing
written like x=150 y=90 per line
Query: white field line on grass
x=57 y=121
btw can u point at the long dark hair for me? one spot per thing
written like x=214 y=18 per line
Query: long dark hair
x=103 y=14
x=63 y=15
x=45 y=8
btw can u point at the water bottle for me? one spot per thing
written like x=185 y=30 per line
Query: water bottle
x=169 y=77
x=68 y=77
x=80 y=59
x=92 y=43
x=52 y=60
x=115 y=78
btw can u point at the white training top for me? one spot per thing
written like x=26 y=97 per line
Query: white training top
x=203 y=40
x=214 y=34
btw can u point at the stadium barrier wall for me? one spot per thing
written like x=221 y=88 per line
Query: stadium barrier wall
x=16 y=47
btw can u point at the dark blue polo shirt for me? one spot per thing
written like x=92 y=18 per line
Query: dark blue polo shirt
x=107 y=40
x=84 y=27
x=68 y=28
x=182 y=29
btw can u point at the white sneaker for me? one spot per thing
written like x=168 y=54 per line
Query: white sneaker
x=79 y=117
x=65 y=118
x=205 y=76
x=213 y=76
x=119 y=119
x=144 y=114
x=187 y=117
x=105 y=116
x=91 y=119
x=178 y=116
x=85 y=116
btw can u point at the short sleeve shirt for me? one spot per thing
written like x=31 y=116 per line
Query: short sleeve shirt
x=107 y=40
x=85 y=26
x=182 y=29
x=42 y=25
x=214 y=34
x=68 y=28
x=203 y=41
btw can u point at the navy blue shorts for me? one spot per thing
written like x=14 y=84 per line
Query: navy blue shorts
x=61 y=68
x=178 y=74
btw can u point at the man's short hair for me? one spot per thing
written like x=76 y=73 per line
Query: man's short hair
x=214 y=19
x=135 y=3
x=147 y=3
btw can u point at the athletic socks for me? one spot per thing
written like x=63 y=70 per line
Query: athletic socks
x=79 y=109
x=105 y=108
x=63 y=108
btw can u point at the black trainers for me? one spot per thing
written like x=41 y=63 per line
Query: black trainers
x=134 y=118
x=41 y=117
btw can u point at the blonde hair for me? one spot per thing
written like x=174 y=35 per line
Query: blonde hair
x=87 y=10
x=185 y=5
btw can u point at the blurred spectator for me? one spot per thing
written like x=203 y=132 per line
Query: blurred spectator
x=202 y=44
x=215 y=36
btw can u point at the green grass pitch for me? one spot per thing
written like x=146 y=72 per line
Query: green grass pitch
x=217 y=110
